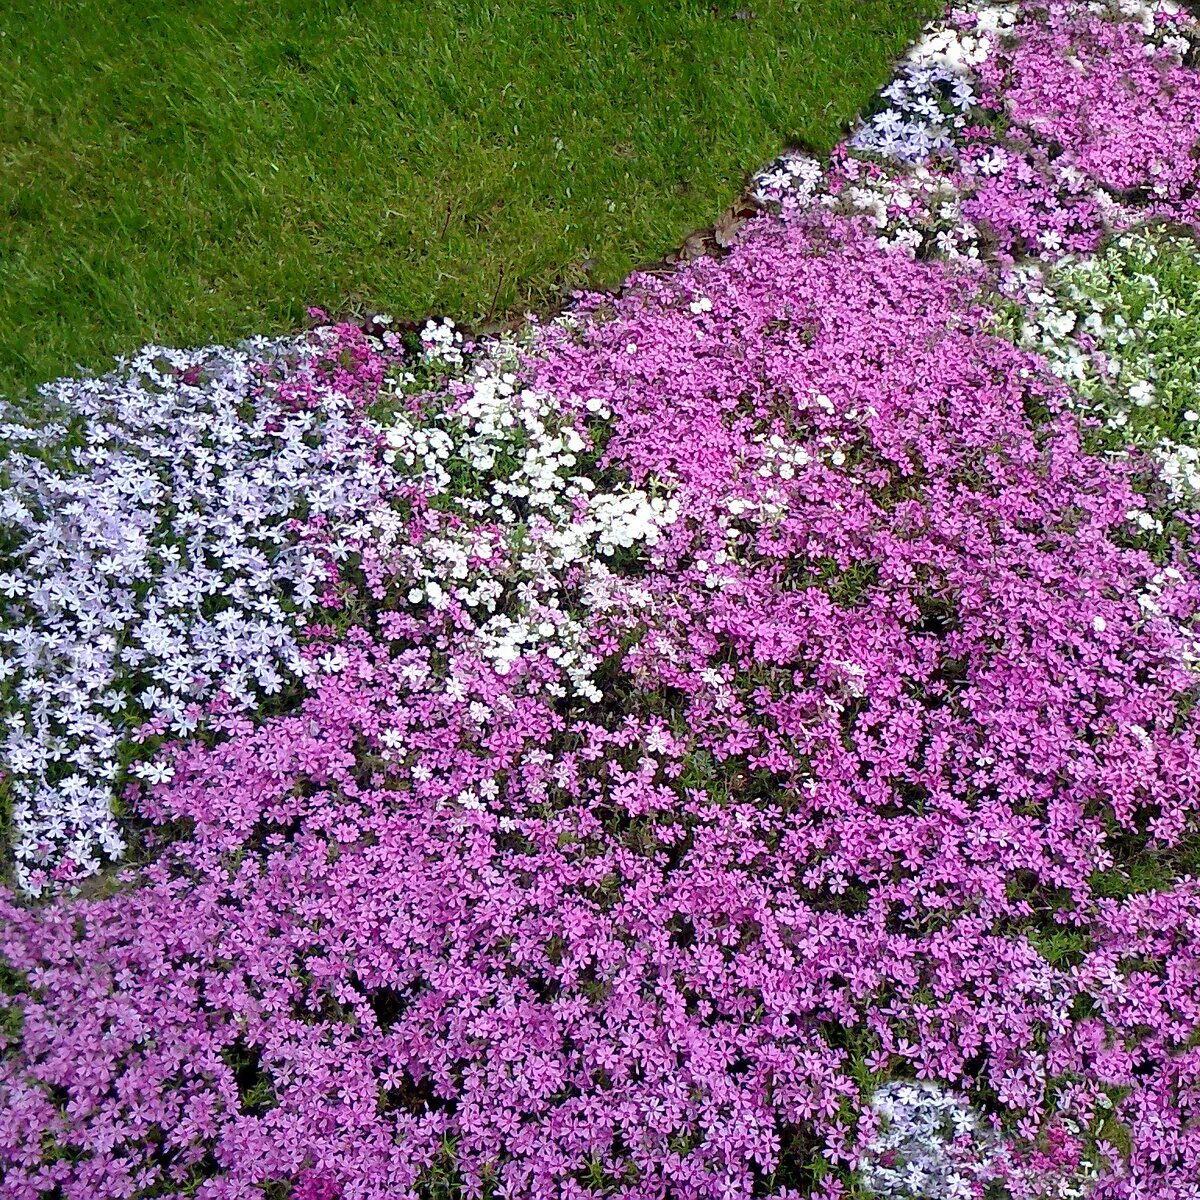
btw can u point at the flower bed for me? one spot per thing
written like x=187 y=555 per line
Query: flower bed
x=741 y=737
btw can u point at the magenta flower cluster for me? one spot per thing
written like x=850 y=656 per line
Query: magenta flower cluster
x=880 y=730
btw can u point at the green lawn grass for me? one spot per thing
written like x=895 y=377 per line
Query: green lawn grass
x=197 y=170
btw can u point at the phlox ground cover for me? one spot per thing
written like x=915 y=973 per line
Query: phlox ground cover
x=738 y=738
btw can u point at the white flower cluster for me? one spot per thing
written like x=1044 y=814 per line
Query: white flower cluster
x=1152 y=603
x=933 y=90
x=146 y=562
x=1121 y=329
x=533 y=561
x=1180 y=466
x=931 y=1146
x=794 y=179
x=441 y=342
x=779 y=459
x=918 y=210
x=1146 y=13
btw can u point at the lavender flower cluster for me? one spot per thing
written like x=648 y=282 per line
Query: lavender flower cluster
x=931 y=1145
x=149 y=561
x=925 y=106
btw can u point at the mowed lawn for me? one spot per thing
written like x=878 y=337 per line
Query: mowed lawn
x=200 y=170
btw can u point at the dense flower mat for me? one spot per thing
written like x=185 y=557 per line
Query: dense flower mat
x=736 y=739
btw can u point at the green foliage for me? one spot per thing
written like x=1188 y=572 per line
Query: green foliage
x=189 y=172
x=1138 y=302
x=13 y=984
x=1148 y=869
